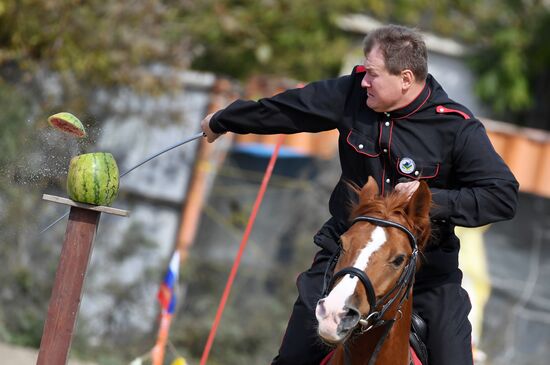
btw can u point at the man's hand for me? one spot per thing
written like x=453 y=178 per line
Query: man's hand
x=407 y=188
x=205 y=126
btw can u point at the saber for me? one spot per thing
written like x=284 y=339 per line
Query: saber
x=192 y=138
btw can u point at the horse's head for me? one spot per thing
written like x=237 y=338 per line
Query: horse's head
x=376 y=265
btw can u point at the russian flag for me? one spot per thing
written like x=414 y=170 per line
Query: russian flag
x=167 y=291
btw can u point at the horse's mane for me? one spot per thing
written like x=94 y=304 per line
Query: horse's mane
x=388 y=207
x=381 y=207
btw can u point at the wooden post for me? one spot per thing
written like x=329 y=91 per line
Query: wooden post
x=69 y=279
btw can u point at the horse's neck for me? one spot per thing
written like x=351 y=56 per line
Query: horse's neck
x=394 y=350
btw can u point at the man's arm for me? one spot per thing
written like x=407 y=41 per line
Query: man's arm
x=316 y=107
x=488 y=191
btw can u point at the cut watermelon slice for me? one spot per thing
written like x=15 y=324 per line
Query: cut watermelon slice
x=68 y=123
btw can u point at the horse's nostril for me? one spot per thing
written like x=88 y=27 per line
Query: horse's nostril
x=352 y=312
x=320 y=310
x=350 y=318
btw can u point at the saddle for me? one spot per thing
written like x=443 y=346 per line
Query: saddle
x=417 y=338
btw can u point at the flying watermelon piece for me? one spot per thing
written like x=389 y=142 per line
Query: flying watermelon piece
x=68 y=123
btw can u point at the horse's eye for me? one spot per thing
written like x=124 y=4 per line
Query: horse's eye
x=398 y=260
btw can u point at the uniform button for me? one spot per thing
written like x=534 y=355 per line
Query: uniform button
x=360 y=146
x=388 y=181
x=416 y=173
x=387 y=114
x=385 y=150
x=387 y=124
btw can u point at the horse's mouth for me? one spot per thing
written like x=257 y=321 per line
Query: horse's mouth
x=328 y=342
x=333 y=341
x=335 y=329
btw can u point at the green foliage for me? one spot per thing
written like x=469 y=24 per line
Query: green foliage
x=109 y=42
x=300 y=39
x=512 y=58
x=295 y=38
x=94 y=41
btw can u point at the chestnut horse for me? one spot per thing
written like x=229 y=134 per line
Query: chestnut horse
x=367 y=313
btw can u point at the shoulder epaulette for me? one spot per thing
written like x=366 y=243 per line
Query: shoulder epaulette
x=444 y=110
x=358 y=69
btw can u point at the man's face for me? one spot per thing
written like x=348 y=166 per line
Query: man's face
x=385 y=91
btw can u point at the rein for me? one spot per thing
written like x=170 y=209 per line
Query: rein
x=400 y=290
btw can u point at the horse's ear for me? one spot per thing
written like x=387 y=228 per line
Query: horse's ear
x=418 y=209
x=369 y=191
x=420 y=202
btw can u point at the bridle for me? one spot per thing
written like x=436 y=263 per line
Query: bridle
x=399 y=292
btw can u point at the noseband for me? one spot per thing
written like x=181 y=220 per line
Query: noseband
x=403 y=284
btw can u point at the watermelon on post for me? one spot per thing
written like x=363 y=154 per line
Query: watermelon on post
x=68 y=123
x=93 y=178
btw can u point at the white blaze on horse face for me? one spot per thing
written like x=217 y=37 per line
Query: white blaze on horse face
x=345 y=288
x=335 y=302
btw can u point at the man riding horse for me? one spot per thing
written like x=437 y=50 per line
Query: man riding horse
x=397 y=124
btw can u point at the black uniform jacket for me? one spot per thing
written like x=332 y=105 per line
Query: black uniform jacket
x=433 y=138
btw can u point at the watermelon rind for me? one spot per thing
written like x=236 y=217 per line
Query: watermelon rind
x=68 y=123
x=93 y=178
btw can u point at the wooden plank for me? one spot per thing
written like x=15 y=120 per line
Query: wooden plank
x=523 y=157
x=97 y=208
x=67 y=290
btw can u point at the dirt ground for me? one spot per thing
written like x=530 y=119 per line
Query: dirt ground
x=14 y=355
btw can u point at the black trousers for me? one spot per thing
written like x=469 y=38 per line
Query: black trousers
x=445 y=309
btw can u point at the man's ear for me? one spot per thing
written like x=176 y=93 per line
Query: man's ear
x=418 y=210
x=407 y=79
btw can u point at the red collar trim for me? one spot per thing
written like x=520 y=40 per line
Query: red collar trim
x=417 y=103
